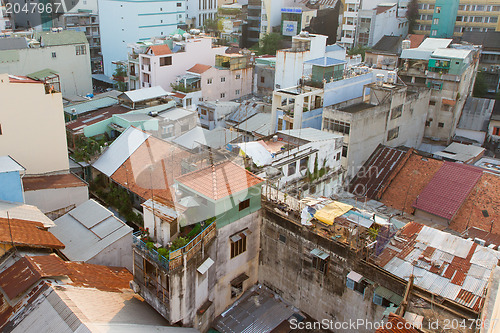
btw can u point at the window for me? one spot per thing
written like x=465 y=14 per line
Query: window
x=396 y=112
x=189 y=102
x=291 y=168
x=336 y=126
x=338 y=156
x=344 y=151
x=496 y=130
x=80 y=50
x=438 y=10
x=209 y=81
x=393 y=134
x=435 y=21
x=427 y=123
x=238 y=243
x=478 y=19
x=431 y=102
x=179 y=4
x=304 y=163
x=53 y=54
x=357 y=286
x=244 y=204
x=222 y=95
x=0 y=129
x=262 y=79
x=320 y=260
x=312 y=189
x=238 y=76
x=434 y=32
x=222 y=79
x=165 y=61
x=441 y=125
x=237 y=92
x=282 y=238
x=203 y=112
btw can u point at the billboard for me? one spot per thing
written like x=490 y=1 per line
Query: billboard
x=290 y=28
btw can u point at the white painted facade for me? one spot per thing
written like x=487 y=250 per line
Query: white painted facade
x=122 y=22
x=226 y=84
x=290 y=62
x=57 y=201
x=150 y=73
x=198 y=11
x=32 y=127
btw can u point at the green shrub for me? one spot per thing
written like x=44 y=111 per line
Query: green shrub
x=163 y=252
x=178 y=243
x=193 y=233
x=150 y=245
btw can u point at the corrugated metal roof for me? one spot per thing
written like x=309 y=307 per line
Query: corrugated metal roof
x=325 y=62
x=216 y=138
x=144 y=94
x=120 y=150
x=260 y=124
x=311 y=134
x=13 y=43
x=65 y=37
x=92 y=105
x=89 y=229
x=476 y=114
x=24 y=212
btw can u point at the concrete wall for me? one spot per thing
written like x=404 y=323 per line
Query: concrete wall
x=343 y=90
x=52 y=200
x=118 y=254
x=33 y=131
x=12 y=186
x=74 y=70
x=265 y=88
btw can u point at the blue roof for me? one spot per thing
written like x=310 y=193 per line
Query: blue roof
x=325 y=62
x=333 y=47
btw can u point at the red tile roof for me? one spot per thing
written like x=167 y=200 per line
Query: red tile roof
x=179 y=95
x=27 y=233
x=199 y=69
x=485 y=196
x=415 y=40
x=383 y=8
x=220 y=180
x=397 y=324
x=159 y=50
x=19 y=277
x=51 y=182
x=446 y=192
x=22 y=79
x=409 y=181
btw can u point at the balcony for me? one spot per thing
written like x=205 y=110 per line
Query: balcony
x=349 y=27
x=146 y=68
x=173 y=259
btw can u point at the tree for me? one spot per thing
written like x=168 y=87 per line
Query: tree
x=480 y=87
x=412 y=15
x=358 y=50
x=119 y=76
x=270 y=43
x=212 y=26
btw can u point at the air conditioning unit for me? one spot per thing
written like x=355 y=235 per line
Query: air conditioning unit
x=480 y=241
x=484 y=69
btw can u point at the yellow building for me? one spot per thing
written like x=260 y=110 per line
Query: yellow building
x=472 y=15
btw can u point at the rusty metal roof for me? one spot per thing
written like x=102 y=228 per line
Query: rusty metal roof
x=27 y=233
x=444 y=264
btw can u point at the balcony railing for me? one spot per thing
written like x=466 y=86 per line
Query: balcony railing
x=174 y=259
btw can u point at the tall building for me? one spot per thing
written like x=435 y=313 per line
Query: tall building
x=197 y=12
x=122 y=22
x=443 y=16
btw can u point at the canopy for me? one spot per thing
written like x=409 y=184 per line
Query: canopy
x=331 y=211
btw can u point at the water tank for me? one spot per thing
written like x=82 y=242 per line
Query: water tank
x=364 y=69
x=304 y=34
x=379 y=79
x=406 y=44
x=186 y=35
x=194 y=31
x=391 y=77
x=177 y=37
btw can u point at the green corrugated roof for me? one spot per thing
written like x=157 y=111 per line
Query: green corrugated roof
x=44 y=73
x=91 y=105
x=178 y=31
x=389 y=295
x=65 y=37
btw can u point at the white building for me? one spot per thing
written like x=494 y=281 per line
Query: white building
x=158 y=62
x=365 y=22
x=65 y=53
x=32 y=125
x=94 y=235
x=199 y=11
x=122 y=22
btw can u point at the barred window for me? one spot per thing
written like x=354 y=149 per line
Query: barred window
x=337 y=126
x=80 y=49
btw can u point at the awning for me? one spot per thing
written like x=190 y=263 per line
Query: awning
x=389 y=295
x=320 y=254
x=240 y=278
x=236 y=237
x=354 y=276
x=331 y=211
x=205 y=266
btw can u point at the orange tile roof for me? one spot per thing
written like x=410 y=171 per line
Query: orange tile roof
x=415 y=40
x=51 y=182
x=199 y=69
x=397 y=324
x=159 y=50
x=220 y=180
x=409 y=182
x=16 y=279
x=484 y=196
x=151 y=169
x=27 y=233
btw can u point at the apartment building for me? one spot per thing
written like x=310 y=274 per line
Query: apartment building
x=197 y=12
x=158 y=62
x=440 y=18
x=63 y=53
x=125 y=22
x=450 y=71
x=366 y=22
